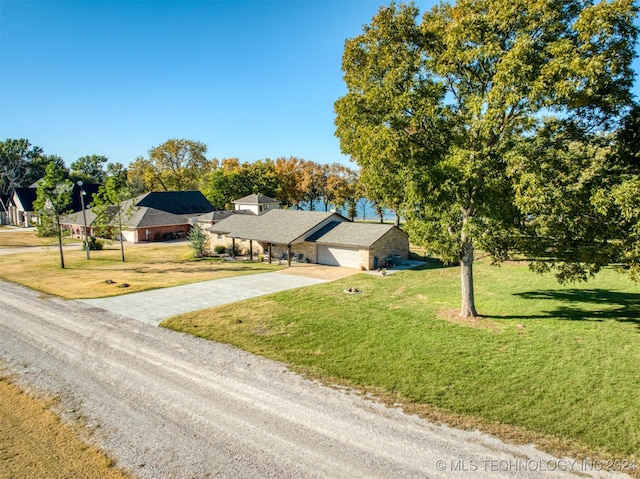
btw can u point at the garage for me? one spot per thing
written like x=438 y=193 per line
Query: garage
x=339 y=256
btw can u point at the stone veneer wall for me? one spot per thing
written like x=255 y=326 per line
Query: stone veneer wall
x=395 y=242
x=308 y=249
x=241 y=245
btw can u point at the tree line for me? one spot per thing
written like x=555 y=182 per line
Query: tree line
x=182 y=165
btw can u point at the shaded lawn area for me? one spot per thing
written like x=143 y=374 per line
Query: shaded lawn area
x=557 y=365
x=146 y=267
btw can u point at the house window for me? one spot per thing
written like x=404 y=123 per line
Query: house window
x=219 y=236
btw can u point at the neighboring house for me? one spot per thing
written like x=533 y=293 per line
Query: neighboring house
x=20 y=207
x=257 y=203
x=155 y=216
x=318 y=237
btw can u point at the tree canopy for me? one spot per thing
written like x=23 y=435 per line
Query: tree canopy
x=437 y=113
x=89 y=168
x=175 y=165
x=22 y=164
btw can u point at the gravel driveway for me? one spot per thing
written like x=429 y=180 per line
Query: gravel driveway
x=168 y=405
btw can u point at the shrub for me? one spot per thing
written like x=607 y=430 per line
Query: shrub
x=198 y=240
x=94 y=244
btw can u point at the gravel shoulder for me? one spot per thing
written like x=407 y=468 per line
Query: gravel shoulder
x=168 y=405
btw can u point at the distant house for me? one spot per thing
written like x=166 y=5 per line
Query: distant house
x=20 y=208
x=155 y=216
x=317 y=237
x=256 y=203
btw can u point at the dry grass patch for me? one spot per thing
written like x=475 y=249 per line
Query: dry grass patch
x=34 y=443
x=146 y=267
x=27 y=238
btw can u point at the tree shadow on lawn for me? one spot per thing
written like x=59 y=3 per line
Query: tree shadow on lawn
x=619 y=306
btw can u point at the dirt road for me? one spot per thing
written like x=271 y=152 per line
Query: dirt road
x=167 y=405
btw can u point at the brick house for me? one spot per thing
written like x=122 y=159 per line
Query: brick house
x=154 y=216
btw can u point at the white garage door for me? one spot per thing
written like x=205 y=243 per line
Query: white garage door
x=127 y=235
x=339 y=256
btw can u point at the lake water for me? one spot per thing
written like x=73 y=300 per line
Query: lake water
x=364 y=211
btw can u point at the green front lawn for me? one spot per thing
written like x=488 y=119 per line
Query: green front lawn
x=547 y=363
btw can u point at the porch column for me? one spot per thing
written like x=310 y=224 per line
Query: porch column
x=289 y=255
x=270 y=253
x=233 y=247
x=250 y=250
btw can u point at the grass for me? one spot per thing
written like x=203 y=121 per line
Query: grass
x=34 y=443
x=146 y=267
x=22 y=238
x=553 y=364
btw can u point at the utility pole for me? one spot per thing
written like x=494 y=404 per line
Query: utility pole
x=84 y=217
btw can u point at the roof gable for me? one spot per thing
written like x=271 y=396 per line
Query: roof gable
x=24 y=197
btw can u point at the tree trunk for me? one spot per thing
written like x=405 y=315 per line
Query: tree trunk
x=121 y=239
x=466 y=281
x=60 y=242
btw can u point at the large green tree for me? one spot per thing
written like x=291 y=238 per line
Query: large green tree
x=434 y=109
x=89 y=168
x=53 y=199
x=230 y=180
x=175 y=165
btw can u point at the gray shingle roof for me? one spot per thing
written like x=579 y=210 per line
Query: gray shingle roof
x=275 y=226
x=159 y=208
x=289 y=226
x=216 y=216
x=350 y=234
x=256 y=199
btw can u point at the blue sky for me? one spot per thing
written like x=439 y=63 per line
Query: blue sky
x=250 y=79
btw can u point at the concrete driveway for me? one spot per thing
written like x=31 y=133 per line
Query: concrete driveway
x=154 y=306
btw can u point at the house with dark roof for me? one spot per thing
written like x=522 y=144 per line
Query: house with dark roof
x=317 y=237
x=154 y=216
x=20 y=208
